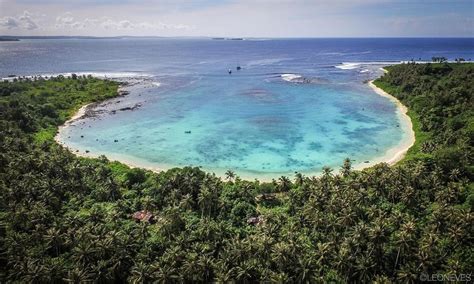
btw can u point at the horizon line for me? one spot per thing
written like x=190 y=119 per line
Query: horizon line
x=234 y=37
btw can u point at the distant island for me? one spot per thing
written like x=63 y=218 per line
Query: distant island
x=9 y=39
x=16 y=38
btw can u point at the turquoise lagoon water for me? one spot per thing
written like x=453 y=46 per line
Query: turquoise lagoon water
x=296 y=105
x=269 y=127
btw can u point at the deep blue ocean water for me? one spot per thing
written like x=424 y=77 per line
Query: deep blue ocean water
x=296 y=104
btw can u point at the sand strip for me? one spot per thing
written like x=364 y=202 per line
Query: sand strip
x=396 y=154
x=78 y=115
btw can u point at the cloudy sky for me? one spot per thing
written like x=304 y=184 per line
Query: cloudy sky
x=239 y=18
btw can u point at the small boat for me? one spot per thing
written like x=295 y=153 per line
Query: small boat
x=187 y=131
x=238 y=68
x=230 y=71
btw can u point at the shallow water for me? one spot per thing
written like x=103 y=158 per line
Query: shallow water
x=294 y=105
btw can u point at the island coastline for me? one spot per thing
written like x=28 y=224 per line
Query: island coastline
x=396 y=154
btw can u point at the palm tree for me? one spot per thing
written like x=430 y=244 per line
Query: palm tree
x=404 y=239
x=205 y=201
x=84 y=252
x=364 y=265
x=103 y=271
x=112 y=189
x=53 y=238
x=78 y=275
x=141 y=273
x=299 y=179
x=36 y=272
x=165 y=273
x=187 y=202
x=223 y=274
x=306 y=270
x=284 y=184
x=244 y=271
x=148 y=203
x=408 y=273
x=230 y=175
x=346 y=168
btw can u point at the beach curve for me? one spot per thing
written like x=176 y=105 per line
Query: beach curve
x=396 y=154
x=391 y=156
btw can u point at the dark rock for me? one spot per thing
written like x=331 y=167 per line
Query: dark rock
x=130 y=108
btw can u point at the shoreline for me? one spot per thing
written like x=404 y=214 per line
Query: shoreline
x=79 y=114
x=396 y=154
x=391 y=156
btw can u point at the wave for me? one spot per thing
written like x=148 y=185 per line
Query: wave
x=263 y=62
x=348 y=66
x=360 y=65
x=291 y=77
x=345 y=53
x=356 y=65
x=299 y=79
x=115 y=74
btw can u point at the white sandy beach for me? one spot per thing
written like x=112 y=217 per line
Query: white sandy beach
x=396 y=154
x=113 y=157
x=78 y=115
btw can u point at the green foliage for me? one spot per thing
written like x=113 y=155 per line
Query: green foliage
x=440 y=99
x=64 y=218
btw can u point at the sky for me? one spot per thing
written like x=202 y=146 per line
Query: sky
x=239 y=18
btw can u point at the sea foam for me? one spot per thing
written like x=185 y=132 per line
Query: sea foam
x=356 y=65
x=348 y=66
x=291 y=77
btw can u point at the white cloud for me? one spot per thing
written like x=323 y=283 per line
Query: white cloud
x=24 y=21
x=9 y=22
x=126 y=24
x=64 y=20
x=68 y=22
x=109 y=24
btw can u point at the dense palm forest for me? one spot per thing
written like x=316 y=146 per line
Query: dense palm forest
x=70 y=219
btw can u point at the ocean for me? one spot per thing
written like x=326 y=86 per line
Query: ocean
x=295 y=105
